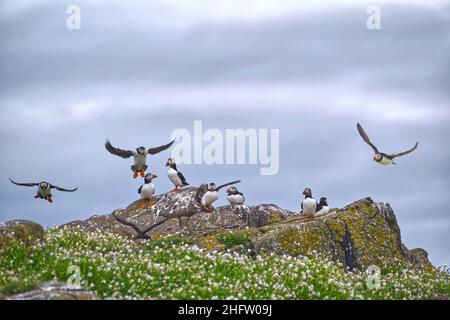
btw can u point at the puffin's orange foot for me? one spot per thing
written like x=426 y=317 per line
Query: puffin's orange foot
x=176 y=190
x=37 y=196
x=142 y=173
x=208 y=210
x=135 y=174
x=151 y=203
x=143 y=205
x=49 y=199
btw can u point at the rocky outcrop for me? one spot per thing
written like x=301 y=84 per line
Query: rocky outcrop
x=26 y=231
x=358 y=235
x=55 y=291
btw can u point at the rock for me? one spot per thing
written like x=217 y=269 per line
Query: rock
x=180 y=213
x=26 y=231
x=359 y=235
x=420 y=257
x=55 y=291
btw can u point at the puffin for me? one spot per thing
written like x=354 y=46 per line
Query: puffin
x=234 y=196
x=175 y=176
x=322 y=207
x=380 y=157
x=44 y=189
x=139 y=155
x=208 y=194
x=309 y=204
x=147 y=190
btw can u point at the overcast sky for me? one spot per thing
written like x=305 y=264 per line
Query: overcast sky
x=136 y=72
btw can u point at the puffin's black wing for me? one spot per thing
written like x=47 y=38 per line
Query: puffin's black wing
x=395 y=155
x=227 y=184
x=365 y=137
x=62 y=189
x=24 y=184
x=183 y=179
x=140 y=189
x=160 y=148
x=201 y=192
x=118 y=152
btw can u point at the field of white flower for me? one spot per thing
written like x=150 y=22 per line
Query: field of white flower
x=117 y=268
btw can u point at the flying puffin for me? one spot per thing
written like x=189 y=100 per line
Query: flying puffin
x=380 y=157
x=322 y=207
x=309 y=204
x=208 y=194
x=234 y=196
x=140 y=156
x=44 y=189
x=175 y=176
x=147 y=190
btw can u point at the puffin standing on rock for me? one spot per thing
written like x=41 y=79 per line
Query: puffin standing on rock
x=322 y=207
x=208 y=194
x=44 y=189
x=380 y=157
x=309 y=204
x=235 y=197
x=175 y=176
x=147 y=190
x=140 y=156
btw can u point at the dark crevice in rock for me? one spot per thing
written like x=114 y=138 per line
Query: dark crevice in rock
x=349 y=253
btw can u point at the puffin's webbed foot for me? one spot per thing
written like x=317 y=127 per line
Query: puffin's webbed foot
x=143 y=204
x=135 y=174
x=142 y=173
x=49 y=199
x=37 y=196
x=151 y=203
x=207 y=209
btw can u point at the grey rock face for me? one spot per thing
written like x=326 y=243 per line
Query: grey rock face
x=55 y=291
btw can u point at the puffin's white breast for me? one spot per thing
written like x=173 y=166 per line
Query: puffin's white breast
x=309 y=206
x=385 y=161
x=324 y=210
x=173 y=176
x=236 y=199
x=147 y=191
x=44 y=192
x=209 y=197
x=140 y=160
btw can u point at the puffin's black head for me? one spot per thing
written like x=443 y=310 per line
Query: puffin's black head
x=141 y=150
x=149 y=177
x=171 y=163
x=43 y=185
x=232 y=191
x=212 y=187
x=324 y=202
x=307 y=193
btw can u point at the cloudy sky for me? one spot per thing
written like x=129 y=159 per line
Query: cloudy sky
x=136 y=72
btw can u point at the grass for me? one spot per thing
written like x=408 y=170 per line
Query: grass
x=231 y=239
x=117 y=268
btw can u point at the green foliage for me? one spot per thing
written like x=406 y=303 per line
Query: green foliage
x=231 y=239
x=173 y=268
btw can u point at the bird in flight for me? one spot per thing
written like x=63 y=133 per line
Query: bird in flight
x=44 y=189
x=381 y=157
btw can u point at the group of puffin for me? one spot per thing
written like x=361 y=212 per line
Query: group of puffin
x=310 y=207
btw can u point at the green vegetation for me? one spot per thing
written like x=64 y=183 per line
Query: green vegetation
x=231 y=239
x=174 y=268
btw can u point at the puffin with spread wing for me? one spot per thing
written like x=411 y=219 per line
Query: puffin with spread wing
x=208 y=194
x=44 y=189
x=380 y=157
x=139 y=155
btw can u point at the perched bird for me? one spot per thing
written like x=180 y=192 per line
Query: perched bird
x=147 y=190
x=208 y=194
x=140 y=156
x=380 y=157
x=309 y=205
x=322 y=207
x=175 y=176
x=234 y=196
x=44 y=189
